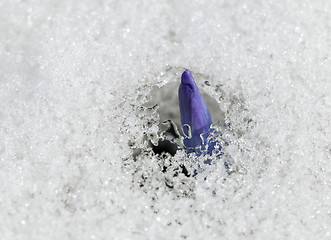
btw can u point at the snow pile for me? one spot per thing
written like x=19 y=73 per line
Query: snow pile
x=75 y=124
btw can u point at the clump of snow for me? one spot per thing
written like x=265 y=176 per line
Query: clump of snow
x=75 y=80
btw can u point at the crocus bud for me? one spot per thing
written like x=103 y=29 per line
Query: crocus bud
x=195 y=116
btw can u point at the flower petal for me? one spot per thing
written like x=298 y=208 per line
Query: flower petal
x=193 y=111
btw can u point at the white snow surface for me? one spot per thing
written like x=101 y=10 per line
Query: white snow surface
x=75 y=77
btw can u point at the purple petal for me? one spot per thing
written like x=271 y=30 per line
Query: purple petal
x=193 y=110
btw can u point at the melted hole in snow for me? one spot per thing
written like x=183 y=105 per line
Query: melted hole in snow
x=161 y=139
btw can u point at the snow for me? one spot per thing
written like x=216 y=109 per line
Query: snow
x=76 y=78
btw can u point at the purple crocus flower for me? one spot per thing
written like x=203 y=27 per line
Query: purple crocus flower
x=195 y=116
